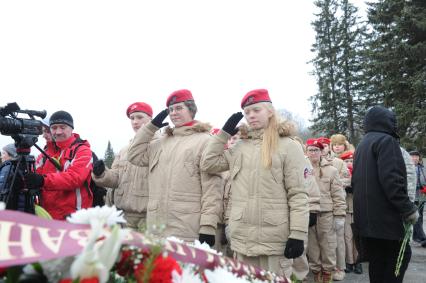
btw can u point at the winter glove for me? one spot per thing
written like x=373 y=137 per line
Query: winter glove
x=294 y=248
x=209 y=239
x=98 y=168
x=349 y=190
x=34 y=180
x=231 y=124
x=312 y=219
x=158 y=120
x=339 y=222
x=223 y=238
x=412 y=218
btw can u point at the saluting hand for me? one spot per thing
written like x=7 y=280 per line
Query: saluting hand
x=231 y=125
x=158 y=120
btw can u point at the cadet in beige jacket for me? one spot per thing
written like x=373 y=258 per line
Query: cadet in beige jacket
x=269 y=209
x=181 y=198
x=127 y=183
x=322 y=236
x=333 y=147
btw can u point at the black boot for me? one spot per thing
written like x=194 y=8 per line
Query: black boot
x=358 y=268
x=349 y=268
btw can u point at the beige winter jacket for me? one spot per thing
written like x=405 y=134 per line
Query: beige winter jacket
x=181 y=198
x=332 y=195
x=313 y=189
x=127 y=183
x=267 y=205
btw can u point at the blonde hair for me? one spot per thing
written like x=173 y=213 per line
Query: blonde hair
x=270 y=136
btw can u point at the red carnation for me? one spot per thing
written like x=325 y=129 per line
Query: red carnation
x=162 y=271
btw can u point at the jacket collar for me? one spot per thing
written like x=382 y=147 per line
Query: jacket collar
x=67 y=143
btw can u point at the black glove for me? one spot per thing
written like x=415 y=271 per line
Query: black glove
x=158 y=120
x=98 y=167
x=312 y=219
x=34 y=180
x=223 y=239
x=209 y=239
x=231 y=124
x=293 y=248
x=349 y=190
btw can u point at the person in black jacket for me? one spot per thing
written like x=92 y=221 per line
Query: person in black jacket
x=381 y=203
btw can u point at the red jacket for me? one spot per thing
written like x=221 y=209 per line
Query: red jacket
x=65 y=191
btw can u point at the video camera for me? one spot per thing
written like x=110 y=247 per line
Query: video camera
x=25 y=132
x=14 y=125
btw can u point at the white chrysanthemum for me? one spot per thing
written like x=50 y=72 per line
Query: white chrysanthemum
x=204 y=246
x=98 y=258
x=2 y=205
x=96 y=216
x=188 y=275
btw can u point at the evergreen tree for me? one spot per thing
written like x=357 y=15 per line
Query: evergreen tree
x=353 y=33
x=109 y=155
x=326 y=102
x=396 y=69
x=338 y=68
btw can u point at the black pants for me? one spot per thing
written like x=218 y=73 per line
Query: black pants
x=418 y=232
x=382 y=256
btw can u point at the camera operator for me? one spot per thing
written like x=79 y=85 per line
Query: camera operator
x=64 y=190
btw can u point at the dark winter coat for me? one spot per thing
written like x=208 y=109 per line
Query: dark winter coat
x=379 y=179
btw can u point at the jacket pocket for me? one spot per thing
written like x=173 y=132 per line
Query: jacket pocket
x=236 y=224
x=275 y=228
x=236 y=166
x=154 y=162
x=276 y=169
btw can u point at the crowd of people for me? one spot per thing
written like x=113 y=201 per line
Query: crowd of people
x=252 y=190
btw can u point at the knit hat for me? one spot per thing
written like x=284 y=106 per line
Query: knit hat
x=61 y=117
x=139 y=107
x=338 y=139
x=10 y=149
x=347 y=155
x=314 y=142
x=179 y=96
x=255 y=96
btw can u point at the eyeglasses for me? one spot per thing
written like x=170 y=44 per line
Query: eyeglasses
x=178 y=108
x=314 y=150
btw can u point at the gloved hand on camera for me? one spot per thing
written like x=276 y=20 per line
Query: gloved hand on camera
x=98 y=168
x=34 y=180
x=209 y=239
x=158 y=120
x=293 y=248
x=231 y=124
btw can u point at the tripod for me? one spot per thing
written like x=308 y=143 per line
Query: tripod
x=15 y=193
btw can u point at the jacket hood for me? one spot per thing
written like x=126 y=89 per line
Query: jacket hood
x=380 y=119
x=198 y=127
x=285 y=129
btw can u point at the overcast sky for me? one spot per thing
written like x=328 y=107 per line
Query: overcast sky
x=94 y=58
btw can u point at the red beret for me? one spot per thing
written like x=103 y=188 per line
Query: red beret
x=324 y=140
x=347 y=155
x=314 y=142
x=255 y=96
x=179 y=96
x=139 y=107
